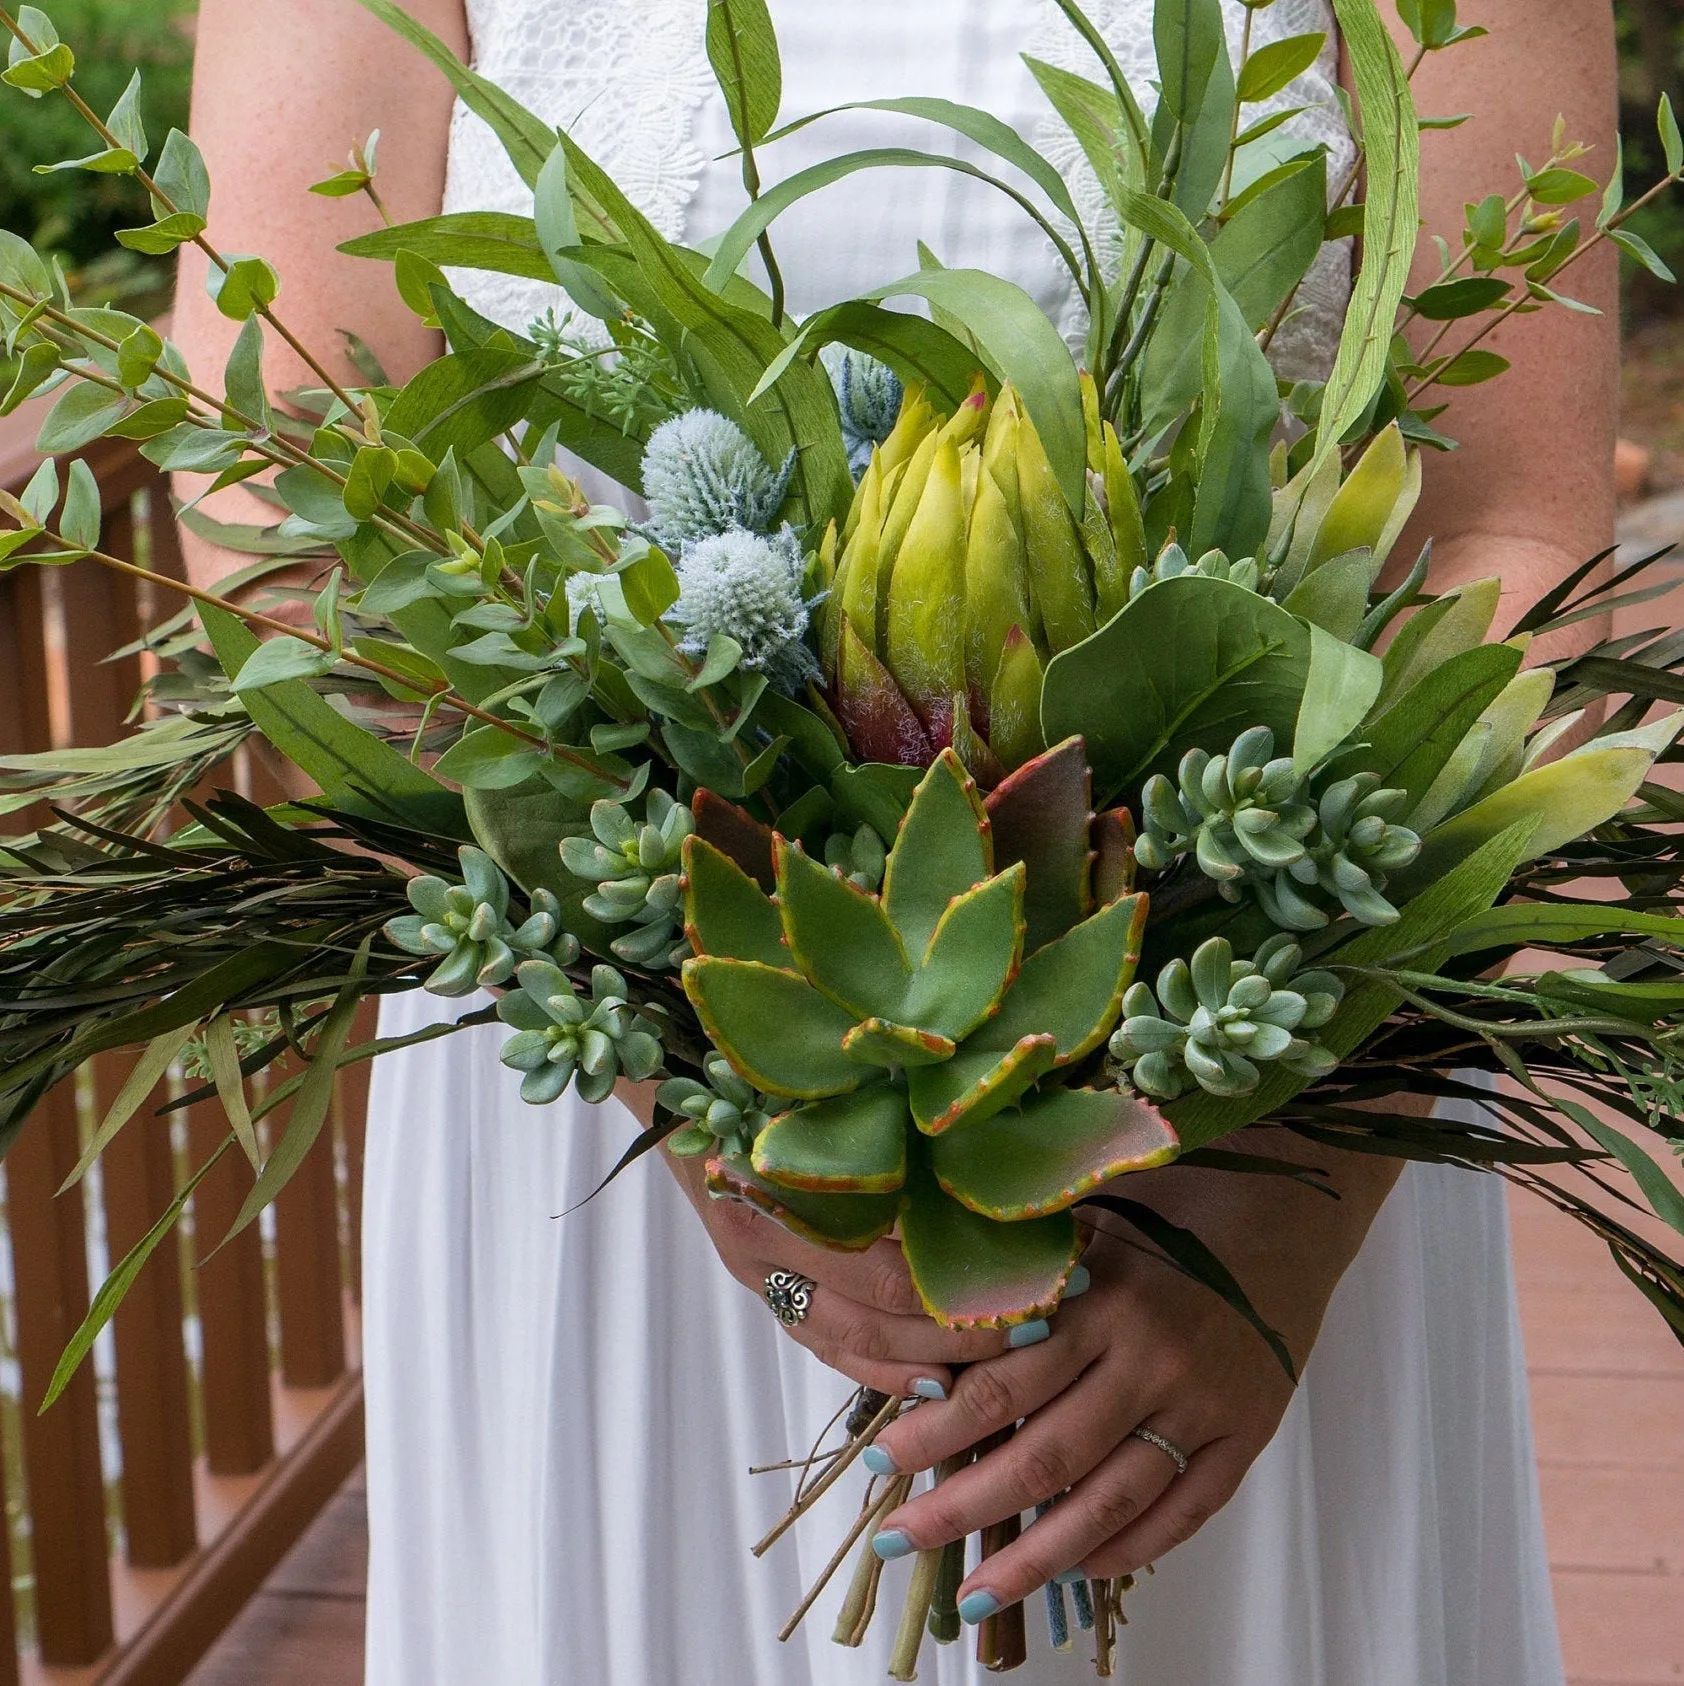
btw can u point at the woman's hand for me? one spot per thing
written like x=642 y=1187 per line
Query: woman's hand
x=1144 y=1347
x=866 y=1319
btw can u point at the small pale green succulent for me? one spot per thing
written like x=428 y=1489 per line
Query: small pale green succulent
x=562 y=1037
x=1235 y=812
x=635 y=867
x=726 y=1114
x=1172 y=562
x=1348 y=856
x=859 y=858
x=1214 y=1022
x=469 y=925
x=926 y=1036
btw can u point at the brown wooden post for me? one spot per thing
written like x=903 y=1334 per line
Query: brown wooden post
x=153 y=1412
x=233 y=1321
x=61 y=1448
x=307 y=1275
x=8 y=1607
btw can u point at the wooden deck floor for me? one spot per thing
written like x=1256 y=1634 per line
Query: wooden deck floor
x=1608 y=1399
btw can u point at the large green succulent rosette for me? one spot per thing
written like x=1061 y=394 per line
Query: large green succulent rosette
x=935 y=1042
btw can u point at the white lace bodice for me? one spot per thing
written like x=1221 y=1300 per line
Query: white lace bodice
x=629 y=79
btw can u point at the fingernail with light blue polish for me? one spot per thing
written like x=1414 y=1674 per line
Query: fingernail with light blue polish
x=890 y=1544
x=1071 y=1576
x=1081 y=1279
x=1029 y=1334
x=927 y=1387
x=978 y=1607
x=877 y=1461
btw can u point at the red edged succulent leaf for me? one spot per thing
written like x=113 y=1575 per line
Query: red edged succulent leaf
x=847 y=1222
x=725 y=911
x=1113 y=863
x=972 y=958
x=977 y=1082
x=974 y=1273
x=735 y=834
x=1042 y=816
x=1073 y=988
x=941 y=851
x=777 y=1031
x=897 y=1047
x=839 y=936
x=1058 y=1148
x=853 y=1144
x=881 y=724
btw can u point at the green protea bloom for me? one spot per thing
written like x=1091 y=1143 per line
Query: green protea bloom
x=859 y=858
x=1235 y=812
x=1172 y=562
x=1349 y=855
x=726 y=1114
x=920 y=1034
x=1214 y=1022
x=562 y=1037
x=703 y=475
x=635 y=867
x=469 y=925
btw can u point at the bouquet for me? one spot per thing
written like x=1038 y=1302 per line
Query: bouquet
x=976 y=771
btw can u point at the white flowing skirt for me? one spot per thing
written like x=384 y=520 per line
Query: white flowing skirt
x=562 y=1413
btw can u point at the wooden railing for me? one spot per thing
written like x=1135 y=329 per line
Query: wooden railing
x=237 y=1401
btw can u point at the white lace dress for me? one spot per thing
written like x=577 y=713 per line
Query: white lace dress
x=562 y=1411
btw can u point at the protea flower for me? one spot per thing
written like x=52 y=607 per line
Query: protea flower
x=964 y=570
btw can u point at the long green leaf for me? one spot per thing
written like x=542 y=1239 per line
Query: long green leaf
x=354 y=768
x=1188 y=35
x=918 y=350
x=148 y=1072
x=492 y=240
x=1341 y=688
x=1023 y=348
x=743 y=50
x=1658 y=1188
x=1544 y=924
x=118 y=1283
x=1392 y=150
x=230 y=1085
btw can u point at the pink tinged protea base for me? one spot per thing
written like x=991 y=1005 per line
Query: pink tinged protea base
x=847 y=1222
x=1042 y=816
x=974 y=1273
x=1059 y=1147
x=855 y=1144
x=881 y=724
x=974 y=1085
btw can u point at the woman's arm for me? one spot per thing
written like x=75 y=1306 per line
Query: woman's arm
x=1527 y=496
x=280 y=93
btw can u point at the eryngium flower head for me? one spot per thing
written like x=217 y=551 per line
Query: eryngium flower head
x=1215 y=1021
x=561 y=1035
x=469 y=925
x=869 y=395
x=748 y=588
x=702 y=475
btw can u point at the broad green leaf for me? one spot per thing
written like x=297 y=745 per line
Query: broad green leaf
x=777 y=1031
x=125 y=122
x=1338 y=693
x=1672 y=142
x=182 y=177
x=40 y=496
x=490 y=240
x=247 y=285
x=79 y=417
x=21 y=266
x=971 y=959
x=164 y=236
x=137 y=357
x=840 y=937
x=243 y=378
x=1275 y=64
x=1449 y=301
x=79 y=519
x=488 y=758
x=464 y=400
x=1472 y=368
x=853 y=1144
x=1023 y=348
x=1188 y=36
x=1392 y=145
x=1115 y=142
x=725 y=912
x=1241 y=409
x=1560 y=187
x=280 y=659
x=350 y=766
x=1190 y=663
x=743 y=51
x=844 y=1222
x=113 y=161
x=41 y=73
x=1636 y=247
x=942 y=851
x=37 y=364
x=557 y=228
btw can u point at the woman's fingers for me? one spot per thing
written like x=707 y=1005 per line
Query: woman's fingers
x=1212 y=1479
x=1059 y=1445
x=857 y=1339
x=1105 y=1503
x=989 y=1397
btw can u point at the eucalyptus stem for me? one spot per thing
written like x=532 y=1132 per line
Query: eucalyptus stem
x=1234 y=126
x=97 y=124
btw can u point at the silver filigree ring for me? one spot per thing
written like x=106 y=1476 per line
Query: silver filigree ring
x=790 y=1295
x=1168 y=1447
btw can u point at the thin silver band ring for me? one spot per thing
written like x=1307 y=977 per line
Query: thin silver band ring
x=1168 y=1447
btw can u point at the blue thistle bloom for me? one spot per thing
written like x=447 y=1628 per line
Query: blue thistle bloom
x=869 y=394
x=748 y=587
x=702 y=475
